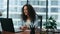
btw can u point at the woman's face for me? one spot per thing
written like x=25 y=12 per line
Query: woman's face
x=25 y=10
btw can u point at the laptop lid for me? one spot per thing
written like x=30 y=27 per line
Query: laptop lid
x=7 y=24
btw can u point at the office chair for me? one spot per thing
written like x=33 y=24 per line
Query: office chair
x=40 y=23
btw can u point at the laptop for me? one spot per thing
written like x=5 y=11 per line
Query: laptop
x=7 y=24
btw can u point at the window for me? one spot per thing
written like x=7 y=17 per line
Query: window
x=13 y=2
x=54 y=2
x=38 y=9
x=42 y=9
x=23 y=2
x=42 y=3
x=33 y=2
x=13 y=9
x=14 y=16
x=54 y=9
x=3 y=8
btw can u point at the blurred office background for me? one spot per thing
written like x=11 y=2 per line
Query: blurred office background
x=15 y=7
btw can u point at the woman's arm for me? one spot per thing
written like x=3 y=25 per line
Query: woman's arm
x=23 y=26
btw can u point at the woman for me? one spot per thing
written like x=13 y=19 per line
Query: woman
x=29 y=17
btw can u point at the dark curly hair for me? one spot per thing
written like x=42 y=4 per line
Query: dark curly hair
x=31 y=12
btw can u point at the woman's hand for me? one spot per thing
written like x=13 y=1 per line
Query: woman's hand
x=24 y=28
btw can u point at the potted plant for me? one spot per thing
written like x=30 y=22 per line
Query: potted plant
x=50 y=24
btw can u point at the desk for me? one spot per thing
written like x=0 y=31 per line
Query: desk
x=25 y=32
x=56 y=32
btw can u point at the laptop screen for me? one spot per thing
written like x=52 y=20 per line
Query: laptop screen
x=7 y=24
